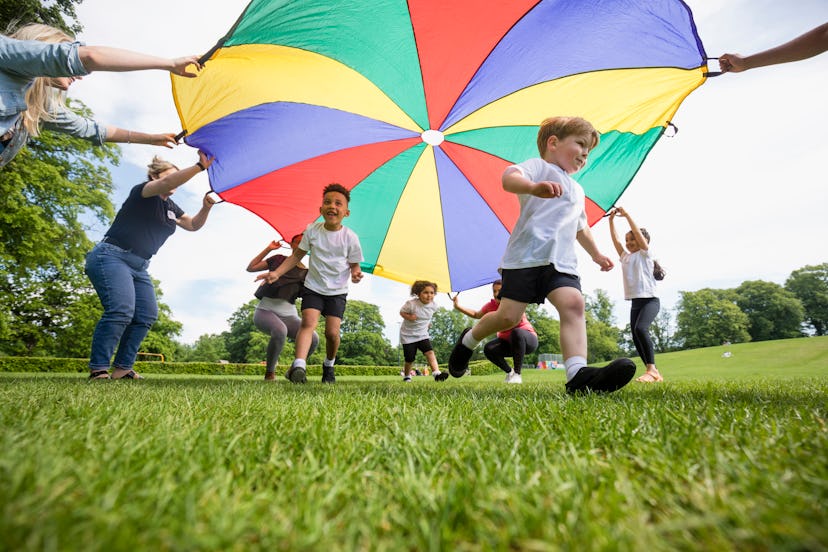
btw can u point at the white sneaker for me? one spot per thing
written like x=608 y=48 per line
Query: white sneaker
x=514 y=377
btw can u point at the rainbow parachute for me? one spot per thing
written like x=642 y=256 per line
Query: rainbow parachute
x=418 y=106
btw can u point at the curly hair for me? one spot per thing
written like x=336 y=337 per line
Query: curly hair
x=336 y=187
x=418 y=286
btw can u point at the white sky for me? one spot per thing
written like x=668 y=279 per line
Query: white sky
x=739 y=194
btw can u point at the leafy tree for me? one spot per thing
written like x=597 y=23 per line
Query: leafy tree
x=242 y=332
x=810 y=285
x=362 y=340
x=362 y=317
x=47 y=190
x=207 y=348
x=600 y=307
x=40 y=309
x=773 y=312
x=18 y=12
x=710 y=317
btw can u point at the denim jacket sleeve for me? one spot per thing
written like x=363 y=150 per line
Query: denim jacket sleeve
x=69 y=122
x=33 y=58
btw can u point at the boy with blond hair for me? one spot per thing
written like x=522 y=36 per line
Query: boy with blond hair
x=540 y=261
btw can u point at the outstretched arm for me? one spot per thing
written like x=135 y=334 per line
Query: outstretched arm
x=807 y=45
x=105 y=58
x=286 y=265
x=124 y=136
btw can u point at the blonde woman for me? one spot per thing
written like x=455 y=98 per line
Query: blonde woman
x=38 y=63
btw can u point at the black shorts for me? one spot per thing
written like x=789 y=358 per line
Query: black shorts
x=410 y=349
x=534 y=284
x=328 y=305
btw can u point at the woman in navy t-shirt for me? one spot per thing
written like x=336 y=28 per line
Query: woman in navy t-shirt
x=117 y=266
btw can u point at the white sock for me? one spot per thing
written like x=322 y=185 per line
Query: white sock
x=469 y=340
x=436 y=372
x=299 y=362
x=573 y=364
x=329 y=362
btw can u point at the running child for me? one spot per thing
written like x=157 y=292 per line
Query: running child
x=417 y=313
x=540 y=261
x=335 y=257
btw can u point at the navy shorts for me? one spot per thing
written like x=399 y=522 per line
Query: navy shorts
x=534 y=284
x=410 y=349
x=328 y=305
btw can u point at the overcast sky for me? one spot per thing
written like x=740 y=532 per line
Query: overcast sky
x=740 y=193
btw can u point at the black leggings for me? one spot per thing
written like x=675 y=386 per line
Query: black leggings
x=642 y=314
x=520 y=343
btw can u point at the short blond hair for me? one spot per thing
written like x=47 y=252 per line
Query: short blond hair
x=157 y=166
x=41 y=99
x=563 y=127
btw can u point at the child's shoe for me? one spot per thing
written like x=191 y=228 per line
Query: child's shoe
x=611 y=377
x=441 y=376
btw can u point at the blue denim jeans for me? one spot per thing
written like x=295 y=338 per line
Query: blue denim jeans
x=130 y=308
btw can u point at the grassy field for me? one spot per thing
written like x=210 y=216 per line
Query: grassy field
x=728 y=454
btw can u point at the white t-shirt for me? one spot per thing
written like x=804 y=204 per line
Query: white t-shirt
x=637 y=269
x=412 y=331
x=546 y=229
x=331 y=255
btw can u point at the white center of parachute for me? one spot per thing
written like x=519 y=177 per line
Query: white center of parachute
x=432 y=137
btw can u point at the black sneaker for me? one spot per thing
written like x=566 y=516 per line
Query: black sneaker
x=442 y=376
x=297 y=374
x=458 y=361
x=611 y=377
x=328 y=374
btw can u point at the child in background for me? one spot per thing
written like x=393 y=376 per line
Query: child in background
x=275 y=314
x=640 y=271
x=540 y=261
x=335 y=257
x=515 y=342
x=417 y=313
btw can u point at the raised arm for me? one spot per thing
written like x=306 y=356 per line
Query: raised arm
x=639 y=237
x=807 y=45
x=258 y=263
x=613 y=234
x=167 y=184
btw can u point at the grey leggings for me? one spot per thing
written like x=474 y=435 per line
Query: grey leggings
x=279 y=329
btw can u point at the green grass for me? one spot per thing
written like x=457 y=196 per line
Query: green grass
x=727 y=454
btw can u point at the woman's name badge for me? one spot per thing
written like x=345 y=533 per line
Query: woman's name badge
x=170 y=215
